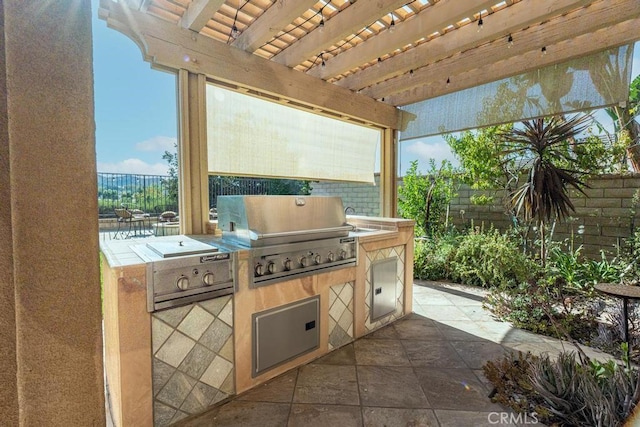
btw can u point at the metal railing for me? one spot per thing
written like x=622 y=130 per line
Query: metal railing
x=154 y=194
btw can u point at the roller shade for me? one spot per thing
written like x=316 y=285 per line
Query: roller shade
x=248 y=136
x=590 y=82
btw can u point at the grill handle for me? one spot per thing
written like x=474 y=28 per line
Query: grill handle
x=254 y=235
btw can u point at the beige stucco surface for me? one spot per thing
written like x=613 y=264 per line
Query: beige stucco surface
x=49 y=287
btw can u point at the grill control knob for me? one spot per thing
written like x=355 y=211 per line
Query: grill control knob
x=317 y=259
x=343 y=254
x=259 y=269
x=287 y=264
x=304 y=262
x=182 y=283
x=208 y=278
x=271 y=268
x=331 y=257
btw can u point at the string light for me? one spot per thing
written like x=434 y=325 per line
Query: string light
x=392 y=25
x=410 y=74
x=234 y=32
x=544 y=50
x=509 y=41
x=448 y=81
x=322 y=64
x=379 y=61
x=321 y=24
x=480 y=22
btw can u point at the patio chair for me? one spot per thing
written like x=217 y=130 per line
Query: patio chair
x=129 y=222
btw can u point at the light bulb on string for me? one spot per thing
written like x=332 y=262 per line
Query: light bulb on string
x=543 y=50
x=410 y=74
x=480 y=23
x=234 y=32
x=509 y=41
x=448 y=81
x=379 y=62
x=392 y=25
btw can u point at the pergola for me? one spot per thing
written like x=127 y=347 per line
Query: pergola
x=355 y=60
x=50 y=305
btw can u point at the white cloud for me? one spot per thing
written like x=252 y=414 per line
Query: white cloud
x=134 y=166
x=437 y=150
x=158 y=143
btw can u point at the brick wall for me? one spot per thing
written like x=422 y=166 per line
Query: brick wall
x=363 y=198
x=604 y=212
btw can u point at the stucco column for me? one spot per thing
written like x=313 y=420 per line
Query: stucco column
x=51 y=349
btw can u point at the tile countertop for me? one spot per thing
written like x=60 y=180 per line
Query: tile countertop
x=377 y=228
x=119 y=253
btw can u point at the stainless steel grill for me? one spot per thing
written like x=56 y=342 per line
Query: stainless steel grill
x=288 y=236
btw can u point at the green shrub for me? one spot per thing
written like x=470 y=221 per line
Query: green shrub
x=430 y=257
x=489 y=259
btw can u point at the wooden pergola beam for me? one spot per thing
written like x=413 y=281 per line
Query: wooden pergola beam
x=612 y=36
x=586 y=20
x=271 y=22
x=347 y=22
x=199 y=12
x=436 y=18
x=500 y=24
x=169 y=46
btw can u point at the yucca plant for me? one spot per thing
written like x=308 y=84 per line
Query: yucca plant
x=550 y=166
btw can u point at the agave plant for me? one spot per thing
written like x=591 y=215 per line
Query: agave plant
x=550 y=168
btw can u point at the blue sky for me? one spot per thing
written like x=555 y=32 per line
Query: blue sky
x=136 y=117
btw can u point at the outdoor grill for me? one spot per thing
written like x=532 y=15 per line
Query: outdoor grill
x=288 y=236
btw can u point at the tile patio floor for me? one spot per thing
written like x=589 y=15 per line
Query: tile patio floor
x=424 y=370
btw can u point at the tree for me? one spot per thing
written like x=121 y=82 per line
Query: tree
x=171 y=183
x=482 y=160
x=625 y=123
x=550 y=169
x=426 y=198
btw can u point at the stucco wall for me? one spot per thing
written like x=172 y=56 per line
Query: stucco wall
x=8 y=372
x=49 y=234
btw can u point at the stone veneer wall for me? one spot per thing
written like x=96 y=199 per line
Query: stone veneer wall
x=605 y=212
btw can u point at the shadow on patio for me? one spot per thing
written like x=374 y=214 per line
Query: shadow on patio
x=424 y=370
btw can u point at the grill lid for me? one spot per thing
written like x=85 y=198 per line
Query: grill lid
x=268 y=220
x=182 y=247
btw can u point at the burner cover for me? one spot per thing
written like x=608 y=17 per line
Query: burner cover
x=182 y=247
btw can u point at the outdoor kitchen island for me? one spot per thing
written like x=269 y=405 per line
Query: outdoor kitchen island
x=344 y=304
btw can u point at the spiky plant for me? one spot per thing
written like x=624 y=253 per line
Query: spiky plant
x=550 y=168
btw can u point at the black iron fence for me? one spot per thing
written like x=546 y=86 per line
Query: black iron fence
x=154 y=194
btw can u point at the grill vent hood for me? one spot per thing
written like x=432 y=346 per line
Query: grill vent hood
x=267 y=220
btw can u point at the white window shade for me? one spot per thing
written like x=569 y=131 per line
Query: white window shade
x=248 y=136
x=590 y=82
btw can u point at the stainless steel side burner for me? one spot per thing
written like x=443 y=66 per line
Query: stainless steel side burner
x=184 y=271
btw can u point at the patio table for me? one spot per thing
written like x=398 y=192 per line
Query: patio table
x=625 y=292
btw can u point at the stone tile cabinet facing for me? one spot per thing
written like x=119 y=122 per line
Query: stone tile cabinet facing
x=193 y=365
